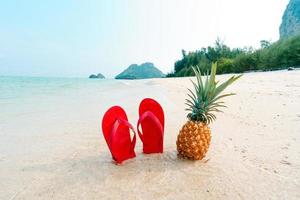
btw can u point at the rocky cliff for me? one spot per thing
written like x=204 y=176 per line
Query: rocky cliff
x=290 y=24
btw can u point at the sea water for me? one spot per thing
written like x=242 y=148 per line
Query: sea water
x=25 y=95
x=39 y=107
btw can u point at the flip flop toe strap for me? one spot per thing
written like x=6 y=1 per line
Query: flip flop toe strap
x=156 y=121
x=116 y=125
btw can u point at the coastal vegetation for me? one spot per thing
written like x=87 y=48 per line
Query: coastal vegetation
x=282 y=54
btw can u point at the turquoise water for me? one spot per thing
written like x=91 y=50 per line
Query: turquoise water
x=35 y=111
x=32 y=107
x=25 y=95
x=22 y=97
x=12 y=88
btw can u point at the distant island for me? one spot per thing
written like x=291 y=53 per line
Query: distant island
x=143 y=71
x=99 y=76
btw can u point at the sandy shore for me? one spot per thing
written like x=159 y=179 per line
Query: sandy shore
x=255 y=152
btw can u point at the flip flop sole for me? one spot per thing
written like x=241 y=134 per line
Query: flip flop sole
x=119 y=143
x=152 y=136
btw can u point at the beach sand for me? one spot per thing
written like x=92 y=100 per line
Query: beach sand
x=60 y=153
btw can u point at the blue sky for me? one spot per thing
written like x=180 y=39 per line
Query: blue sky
x=77 y=38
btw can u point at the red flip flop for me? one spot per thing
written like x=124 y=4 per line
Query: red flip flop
x=116 y=131
x=152 y=122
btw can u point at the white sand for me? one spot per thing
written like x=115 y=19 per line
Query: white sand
x=255 y=151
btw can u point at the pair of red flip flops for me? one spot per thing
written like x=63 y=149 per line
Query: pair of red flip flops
x=116 y=130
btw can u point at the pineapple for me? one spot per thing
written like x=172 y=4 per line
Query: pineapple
x=194 y=138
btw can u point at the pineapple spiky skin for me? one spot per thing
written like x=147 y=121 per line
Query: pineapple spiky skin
x=193 y=140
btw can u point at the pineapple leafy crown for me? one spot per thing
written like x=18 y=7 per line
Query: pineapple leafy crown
x=205 y=100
